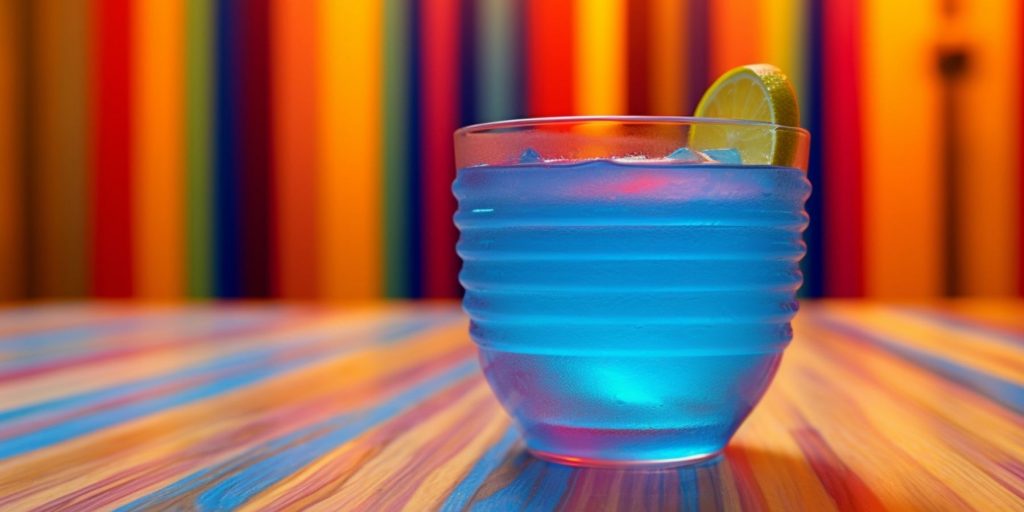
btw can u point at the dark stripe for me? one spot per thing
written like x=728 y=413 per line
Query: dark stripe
x=813 y=263
x=699 y=62
x=398 y=145
x=638 y=53
x=415 y=170
x=473 y=42
x=226 y=181
x=254 y=148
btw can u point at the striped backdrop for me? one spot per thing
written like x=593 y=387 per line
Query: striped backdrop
x=302 y=149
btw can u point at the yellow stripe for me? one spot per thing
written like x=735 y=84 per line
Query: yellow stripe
x=669 y=51
x=600 y=66
x=782 y=30
x=11 y=261
x=987 y=188
x=349 y=184
x=903 y=189
x=158 y=156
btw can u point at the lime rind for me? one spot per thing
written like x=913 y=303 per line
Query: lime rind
x=756 y=92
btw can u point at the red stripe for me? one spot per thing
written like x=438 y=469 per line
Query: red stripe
x=638 y=55
x=1020 y=159
x=843 y=189
x=254 y=151
x=439 y=47
x=111 y=155
x=549 y=51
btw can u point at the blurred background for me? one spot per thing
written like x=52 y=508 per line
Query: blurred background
x=302 y=149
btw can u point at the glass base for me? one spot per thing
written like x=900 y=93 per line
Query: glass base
x=625 y=448
x=583 y=462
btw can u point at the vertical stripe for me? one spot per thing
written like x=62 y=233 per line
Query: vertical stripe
x=254 y=148
x=638 y=21
x=600 y=64
x=1020 y=153
x=551 y=52
x=783 y=32
x=158 y=156
x=227 y=183
x=11 y=169
x=498 y=25
x=60 y=147
x=395 y=148
x=473 y=65
x=698 y=51
x=111 y=176
x=349 y=148
x=669 y=58
x=416 y=146
x=199 y=225
x=843 y=191
x=813 y=264
x=735 y=34
x=439 y=47
x=902 y=179
x=294 y=58
x=986 y=227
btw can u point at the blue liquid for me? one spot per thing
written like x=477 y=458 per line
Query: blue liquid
x=629 y=312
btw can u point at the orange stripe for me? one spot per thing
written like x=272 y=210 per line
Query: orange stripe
x=668 y=47
x=60 y=153
x=11 y=260
x=600 y=65
x=349 y=184
x=735 y=34
x=903 y=190
x=987 y=192
x=294 y=46
x=159 y=149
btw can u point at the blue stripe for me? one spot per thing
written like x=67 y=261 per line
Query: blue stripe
x=539 y=486
x=38 y=348
x=490 y=461
x=236 y=481
x=255 y=367
x=813 y=264
x=1005 y=392
x=473 y=44
x=227 y=176
x=688 y=489
x=968 y=325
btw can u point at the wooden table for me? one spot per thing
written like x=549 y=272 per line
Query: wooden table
x=380 y=407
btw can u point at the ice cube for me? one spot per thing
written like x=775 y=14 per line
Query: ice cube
x=685 y=155
x=724 y=156
x=530 y=156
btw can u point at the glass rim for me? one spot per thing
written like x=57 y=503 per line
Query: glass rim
x=526 y=122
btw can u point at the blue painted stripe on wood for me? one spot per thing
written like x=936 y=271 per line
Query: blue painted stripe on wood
x=490 y=461
x=233 y=486
x=1005 y=392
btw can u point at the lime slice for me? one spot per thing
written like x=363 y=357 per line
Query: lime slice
x=756 y=92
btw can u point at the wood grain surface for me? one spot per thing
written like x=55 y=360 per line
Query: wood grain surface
x=382 y=407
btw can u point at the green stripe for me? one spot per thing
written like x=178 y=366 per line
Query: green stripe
x=199 y=224
x=498 y=21
x=396 y=147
